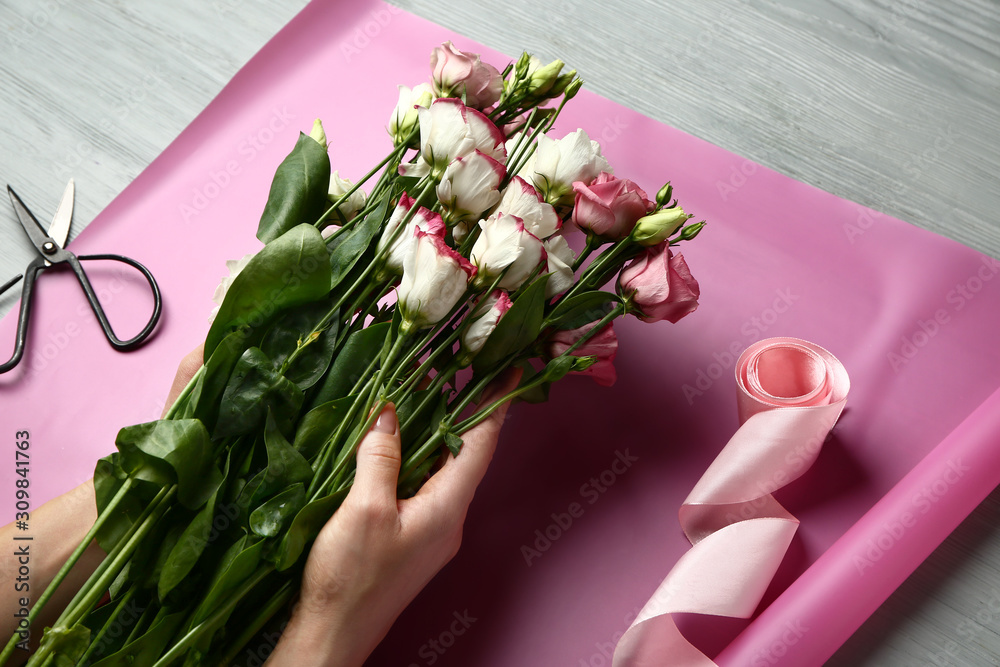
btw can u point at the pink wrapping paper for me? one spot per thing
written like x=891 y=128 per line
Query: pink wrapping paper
x=574 y=526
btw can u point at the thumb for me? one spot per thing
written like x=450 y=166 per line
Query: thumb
x=379 y=460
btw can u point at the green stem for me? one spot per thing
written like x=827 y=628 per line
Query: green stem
x=182 y=398
x=593 y=242
x=619 y=309
x=68 y=565
x=94 y=589
x=96 y=641
x=209 y=624
x=277 y=601
x=354 y=188
x=109 y=568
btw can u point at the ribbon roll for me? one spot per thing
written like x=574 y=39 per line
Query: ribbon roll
x=791 y=393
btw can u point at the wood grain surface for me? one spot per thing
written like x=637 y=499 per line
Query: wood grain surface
x=894 y=104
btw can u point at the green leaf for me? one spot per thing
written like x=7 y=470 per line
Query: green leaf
x=517 y=329
x=305 y=527
x=203 y=529
x=276 y=514
x=354 y=244
x=177 y=451
x=316 y=427
x=352 y=362
x=108 y=479
x=298 y=191
x=254 y=387
x=581 y=309
x=285 y=465
x=187 y=550
x=233 y=571
x=215 y=377
x=290 y=270
x=453 y=442
x=299 y=328
x=152 y=554
x=147 y=648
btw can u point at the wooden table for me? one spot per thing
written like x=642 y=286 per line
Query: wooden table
x=894 y=104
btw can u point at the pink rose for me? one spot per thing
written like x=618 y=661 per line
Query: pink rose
x=609 y=207
x=603 y=345
x=660 y=284
x=456 y=72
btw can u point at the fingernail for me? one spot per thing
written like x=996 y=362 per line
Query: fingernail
x=387 y=422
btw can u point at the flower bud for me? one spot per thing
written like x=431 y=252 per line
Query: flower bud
x=654 y=228
x=404 y=117
x=541 y=78
x=317 y=133
x=663 y=196
x=340 y=187
x=563 y=82
x=572 y=87
x=691 y=231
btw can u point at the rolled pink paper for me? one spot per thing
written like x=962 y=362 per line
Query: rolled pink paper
x=791 y=394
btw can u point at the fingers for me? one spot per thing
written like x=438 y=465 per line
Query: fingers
x=379 y=461
x=185 y=371
x=458 y=479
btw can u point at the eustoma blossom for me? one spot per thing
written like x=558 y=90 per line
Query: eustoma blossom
x=506 y=248
x=459 y=74
x=482 y=323
x=396 y=245
x=558 y=163
x=660 y=285
x=521 y=199
x=603 y=346
x=469 y=186
x=448 y=130
x=559 y=265
x=435 y=277
x=609 y=206
x=404 y=117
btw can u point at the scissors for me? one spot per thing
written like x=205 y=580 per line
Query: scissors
x=51 y=252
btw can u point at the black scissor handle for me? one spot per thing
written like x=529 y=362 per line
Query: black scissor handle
x=24 y=315
x=95 y=304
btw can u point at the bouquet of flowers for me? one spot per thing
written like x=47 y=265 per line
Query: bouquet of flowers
x=453 y=267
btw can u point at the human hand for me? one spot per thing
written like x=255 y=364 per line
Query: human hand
x=377 y=552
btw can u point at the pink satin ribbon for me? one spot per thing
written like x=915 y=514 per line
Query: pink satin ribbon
x=791 y=393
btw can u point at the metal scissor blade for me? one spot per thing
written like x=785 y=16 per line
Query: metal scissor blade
x=34 y=230
x=59 y=228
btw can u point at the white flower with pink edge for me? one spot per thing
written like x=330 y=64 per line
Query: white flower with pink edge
x=435 y=278
x=506 y=246
x=449 y=129
x=470 y=185
x=483 y=321
x=559 y=265
x=520 y=198
x=400 y=243
x=557 y=163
